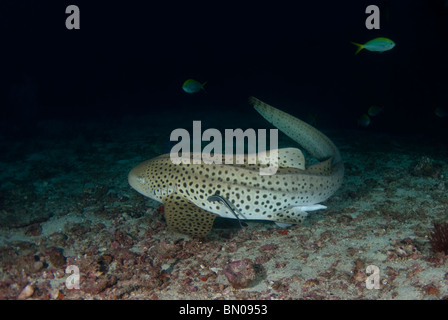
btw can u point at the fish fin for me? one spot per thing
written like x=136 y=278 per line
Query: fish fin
x=296 y=214
x=321 y=168
x=290 y=216
x=312 y=207
x=287 y=158
x=185 y=217
x=312 y=140
x=283 y=225
x=360 y=47
x=204 y=85
x=291 y=158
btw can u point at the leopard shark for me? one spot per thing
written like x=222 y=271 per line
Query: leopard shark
x=187 y=189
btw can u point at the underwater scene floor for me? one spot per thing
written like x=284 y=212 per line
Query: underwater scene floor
x=65 y=201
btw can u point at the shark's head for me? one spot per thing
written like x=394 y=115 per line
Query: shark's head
x=140 y=182
x=147 y=179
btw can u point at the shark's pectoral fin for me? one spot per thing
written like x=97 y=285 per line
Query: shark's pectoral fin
x=184 y=217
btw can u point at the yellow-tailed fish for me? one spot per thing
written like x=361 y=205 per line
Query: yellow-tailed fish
x=193 y=86
x=377 y=44
x=363 y=120
x=374 y=111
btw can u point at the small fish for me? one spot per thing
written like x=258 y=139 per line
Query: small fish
x=228 y=205
x=440 y=112
x=364 y=120
x=377 y=44
x=374 y=111
x=193 y=86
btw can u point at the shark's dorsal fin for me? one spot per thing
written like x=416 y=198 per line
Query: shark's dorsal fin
x=287 y=158
x=183 y=216
x=322 y=168
x=291 y=158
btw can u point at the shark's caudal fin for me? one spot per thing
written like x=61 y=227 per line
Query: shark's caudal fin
x=311 y=139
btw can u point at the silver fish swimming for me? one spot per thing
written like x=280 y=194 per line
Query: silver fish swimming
x=285 y=197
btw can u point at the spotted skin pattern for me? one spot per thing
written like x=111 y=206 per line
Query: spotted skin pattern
x=284 y=197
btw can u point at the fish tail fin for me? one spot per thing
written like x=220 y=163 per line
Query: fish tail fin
x=315 y=142
x=205 y=82
x=360 y=47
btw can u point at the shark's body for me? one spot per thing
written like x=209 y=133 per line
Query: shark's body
x=284 y=197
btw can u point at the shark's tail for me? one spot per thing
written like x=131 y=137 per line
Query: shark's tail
x=311 y=139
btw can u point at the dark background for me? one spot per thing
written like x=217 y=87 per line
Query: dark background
x=131 y=58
